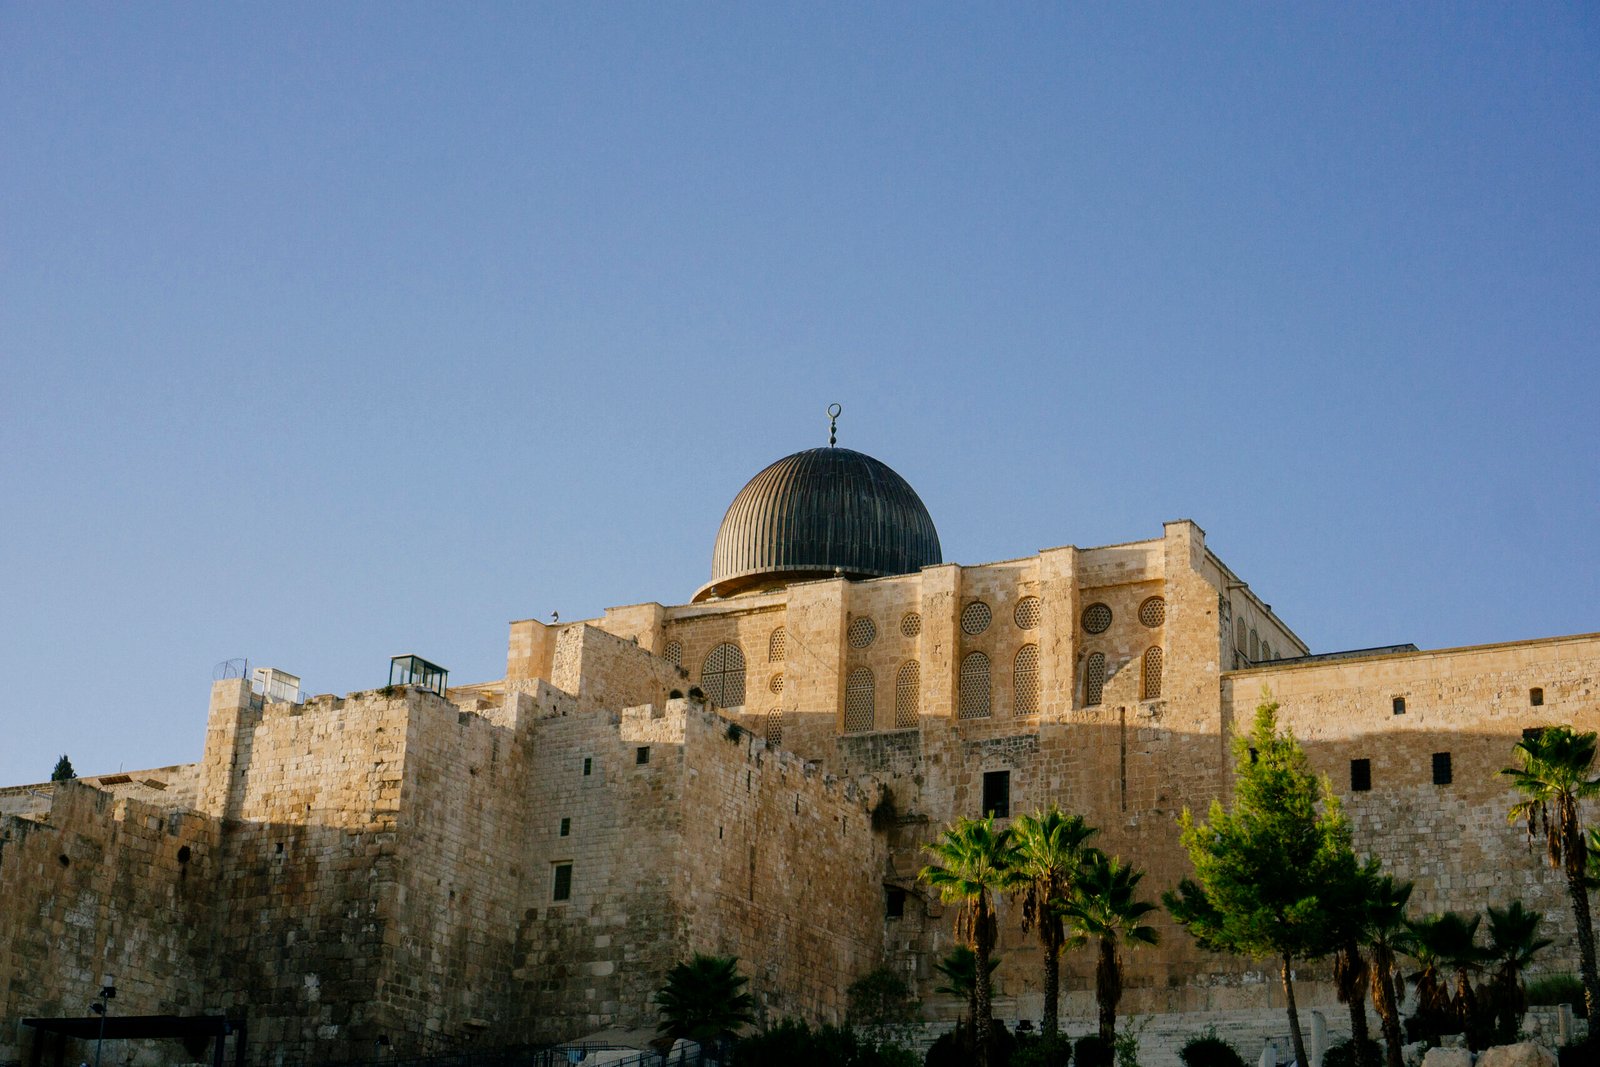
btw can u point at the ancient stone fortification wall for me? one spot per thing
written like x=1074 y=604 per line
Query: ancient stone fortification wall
x=101 y=885
x=1468 y=706
x=780 y=866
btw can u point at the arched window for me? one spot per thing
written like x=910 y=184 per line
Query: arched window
x=1094 y=678
x=972 y=702
x=907 y=694
x=1025 y=680
x=859 y=705
x=722 y=676
x=673 y=653
x=1150 y=684
x=775 y=727
x=1240 y=637
x=777 y=646
x=1255 y=647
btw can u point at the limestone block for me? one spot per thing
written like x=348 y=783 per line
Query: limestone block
x=1522 y=1054
x=1447 y=1057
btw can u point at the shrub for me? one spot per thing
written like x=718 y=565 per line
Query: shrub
x=879 y=998
x=1091 y=1051
x=1343 y=1054
x=954 y=1049
x=1206 y=1049
x=1551 y=989
x=1040 y=1051
x=1585 y=1053
x=791 y=1043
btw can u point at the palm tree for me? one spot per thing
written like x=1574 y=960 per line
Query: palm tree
x=1553 y=777
x=1386 y=934
x=1050 y=850
x=1513 y=942
x=1443 y=945
x=704 y=1000
x=1351 y=974
x=960 y=970
x=1103 y=906
x=972 y=862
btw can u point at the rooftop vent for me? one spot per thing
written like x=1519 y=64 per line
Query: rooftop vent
x=414 y=670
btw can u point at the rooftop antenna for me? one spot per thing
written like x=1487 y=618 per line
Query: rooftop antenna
x=834 y=410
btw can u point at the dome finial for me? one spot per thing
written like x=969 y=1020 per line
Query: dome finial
x=834 y=411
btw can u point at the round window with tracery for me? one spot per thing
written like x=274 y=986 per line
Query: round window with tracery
x=975 y=618
x=1153 y=612
x=911 y=624
x=1097 y=618
x=863 y=631
x=1027 y=613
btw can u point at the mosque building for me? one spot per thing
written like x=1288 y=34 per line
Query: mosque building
x=752 y=772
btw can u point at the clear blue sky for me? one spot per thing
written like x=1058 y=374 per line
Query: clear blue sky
x=336 y=331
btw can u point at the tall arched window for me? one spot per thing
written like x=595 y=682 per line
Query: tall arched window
x=973 y=699
x=1255 y=647
x=673 y=653
x=775 y=727
x=907 y=694
x=722 y=676
x=1239 y=635
x=1150 y=684
x=777 y=646
x=859 y=704
x=1025 y=680
x=1094 y=678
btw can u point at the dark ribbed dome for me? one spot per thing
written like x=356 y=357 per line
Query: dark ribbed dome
x=818 y=513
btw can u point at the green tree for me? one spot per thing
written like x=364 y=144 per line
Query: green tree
x=1513 y=942
x=704 y=1000
x=972 y=862
x=1385 y=934
x=1446 y=948
x=1051 y=850
x=1351 y=973
x=960 y=969
x=63 y=771
x=1552 y=776
x=1104 y=906
x=879 y=998
x=1268 y=873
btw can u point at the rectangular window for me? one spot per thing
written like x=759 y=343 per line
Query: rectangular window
x=588 y=766
x=1441 y=768
x=894 y=903
x=1532 y=733
x=562 y=889
x=641 y=755
x=1535 y=697
x=566 y=827
x=997 y=794
x=1360 y=775
x=1399 y=705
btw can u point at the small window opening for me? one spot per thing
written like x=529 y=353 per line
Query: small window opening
x=894 y=903
x=1441 y=768
x=62 y=859
x=1532 y=733
x=588 y=766
x=279 y=849
x=1535 y=697
x=184 y=854
x=562 y=889
x=566 y=827
x=641 y=755
x=1399 y=705
x=1360 y=775
x=997 y=794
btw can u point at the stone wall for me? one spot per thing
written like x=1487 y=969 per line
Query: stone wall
x=101 y=885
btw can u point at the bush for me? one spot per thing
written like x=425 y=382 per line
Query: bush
x=1040 y=1051
x=791 y=1043
x=954 y=1049
x=880 y=998
x=1585 y=1053
x=1206 y=1049
x=1551 y=989
x=1091 y=1051
x=1343 y=1054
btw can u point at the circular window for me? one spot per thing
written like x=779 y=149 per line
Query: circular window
x=1027 y=613
x=1097 y=618
x=1153 y=612
x=776 y=684
x=911 y=624
x=863 y=631
x=975 y=618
